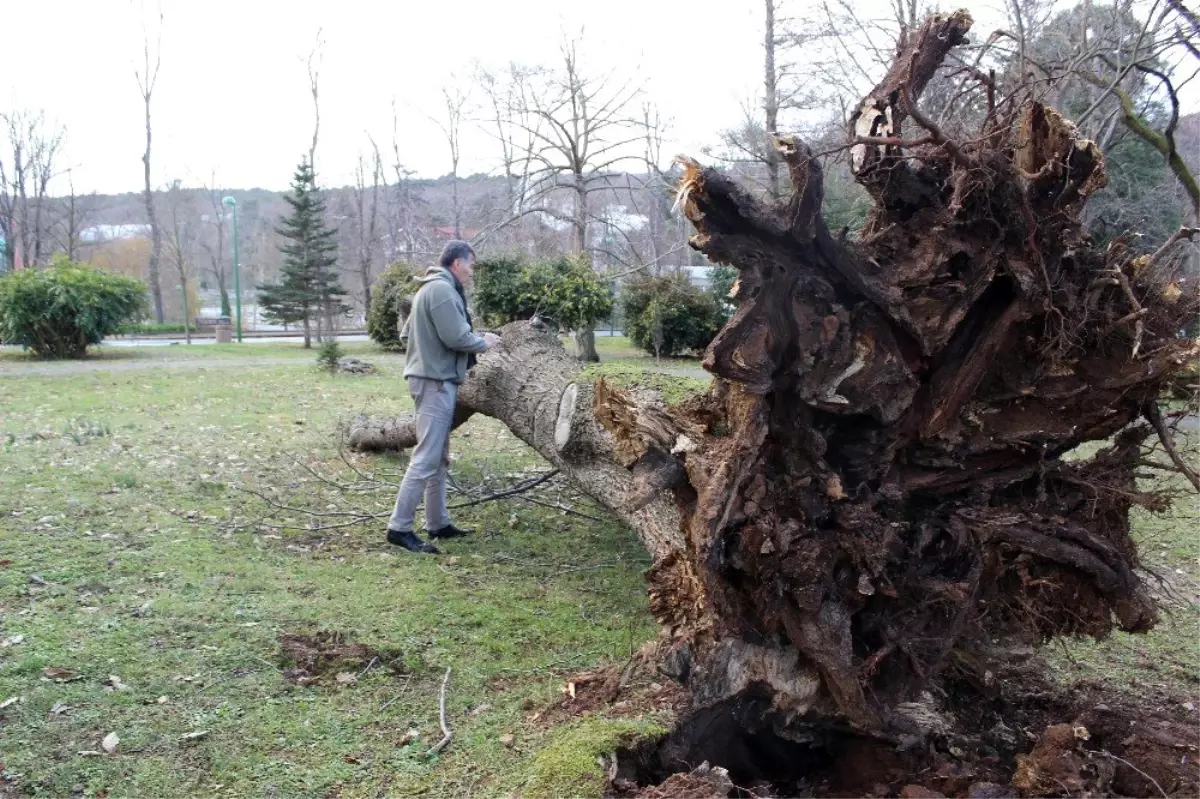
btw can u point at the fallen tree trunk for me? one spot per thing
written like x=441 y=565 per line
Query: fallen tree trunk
x=874 y=492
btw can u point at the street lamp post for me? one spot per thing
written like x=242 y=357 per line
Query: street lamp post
x=237 y=279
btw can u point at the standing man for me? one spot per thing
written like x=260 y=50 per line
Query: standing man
x=441 y=348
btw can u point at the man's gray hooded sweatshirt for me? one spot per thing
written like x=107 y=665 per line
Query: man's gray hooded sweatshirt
x=438 y=332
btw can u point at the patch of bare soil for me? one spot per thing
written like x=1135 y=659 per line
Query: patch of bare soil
x=619 y=690
x=1032 y=739
x=330 y=655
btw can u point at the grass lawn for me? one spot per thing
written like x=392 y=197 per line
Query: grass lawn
x=142 y=593
x=1165 y=660
x=128 y=551
x=13 y=358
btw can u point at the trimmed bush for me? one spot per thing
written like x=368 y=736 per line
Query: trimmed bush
x=60 y=311
x=565 y=290
x=500 y=292
x=391 y=300
x=668 y=316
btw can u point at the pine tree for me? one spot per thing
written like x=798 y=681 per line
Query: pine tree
x=309 y=290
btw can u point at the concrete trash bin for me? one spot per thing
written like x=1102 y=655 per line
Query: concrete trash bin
x=224 y=333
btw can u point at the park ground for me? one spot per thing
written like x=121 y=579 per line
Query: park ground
x=149 y=583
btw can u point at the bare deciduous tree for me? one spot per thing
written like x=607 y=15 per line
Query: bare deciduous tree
x=26 y=170
x=365 y=214
x=512 y=126
x=180 y=246
x=74 y=218
x=314 y=78
x=214 y=243
x=147 y=77
x=455 y=101
x=401 y=203
x=785 y=92
x=580 y=127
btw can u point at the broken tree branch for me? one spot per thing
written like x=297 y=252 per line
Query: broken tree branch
x=520 y=488
x=1154 y=416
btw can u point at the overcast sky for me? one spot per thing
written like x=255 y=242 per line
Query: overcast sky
x=233 y=94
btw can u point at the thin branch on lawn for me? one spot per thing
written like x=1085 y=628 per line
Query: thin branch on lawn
x=557 y=506
x=1154 y=416
x=561 y=568
x=517 y=489
x=362 y=475
x=446 y=733
x=306 y=511
x=403 y=691
x=328 y=481
x=320 y=528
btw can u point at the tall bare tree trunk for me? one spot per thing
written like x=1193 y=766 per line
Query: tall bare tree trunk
x=314 y=78
x=146 y=81
x=771 y=102
x=187 y=313
x=38 y=230
x=155 y=233
x=585 y=337
x=72 y=223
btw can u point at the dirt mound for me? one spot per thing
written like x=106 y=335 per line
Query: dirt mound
x=1041 y=740
x=330 y=653
x=353 y=366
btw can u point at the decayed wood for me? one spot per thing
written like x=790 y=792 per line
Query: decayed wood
x=875 y=486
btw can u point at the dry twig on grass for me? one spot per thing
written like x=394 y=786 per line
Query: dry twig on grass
x=447 y=734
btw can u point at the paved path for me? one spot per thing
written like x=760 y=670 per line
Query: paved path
x=681 y=371
x=159 y=341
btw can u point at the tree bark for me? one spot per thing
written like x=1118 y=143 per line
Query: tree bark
x=155 y=233
x=585 y=342
x=875 y=491
x=771 y=102
x=187 y=325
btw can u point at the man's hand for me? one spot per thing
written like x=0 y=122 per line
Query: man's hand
x=492 y=340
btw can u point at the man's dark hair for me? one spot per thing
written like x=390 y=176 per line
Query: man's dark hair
x=455 y=250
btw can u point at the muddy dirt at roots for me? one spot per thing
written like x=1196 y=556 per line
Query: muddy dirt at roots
x=1032 y=738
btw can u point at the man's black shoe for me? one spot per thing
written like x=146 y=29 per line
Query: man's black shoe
x=408 y=539
x=449 y=531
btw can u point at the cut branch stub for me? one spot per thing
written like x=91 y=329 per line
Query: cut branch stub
x=882 y=112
